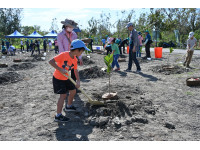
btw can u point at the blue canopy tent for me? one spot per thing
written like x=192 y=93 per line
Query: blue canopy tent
x=52 y=34
x=76 y=30
x=16 y=34
x=34 y=35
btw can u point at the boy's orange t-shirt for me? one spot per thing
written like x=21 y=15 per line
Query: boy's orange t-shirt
x=64 y=59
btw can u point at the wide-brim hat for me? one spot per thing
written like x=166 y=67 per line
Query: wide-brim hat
x=70 y=23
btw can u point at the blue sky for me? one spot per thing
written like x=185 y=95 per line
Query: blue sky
x=41 y=12
x=43 y=16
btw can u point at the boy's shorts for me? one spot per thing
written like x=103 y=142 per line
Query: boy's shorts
x=62 y=86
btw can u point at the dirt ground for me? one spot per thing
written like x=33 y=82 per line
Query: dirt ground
x=154 y=105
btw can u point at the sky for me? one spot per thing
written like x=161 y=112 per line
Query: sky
x=41 y=12
x=43 y=16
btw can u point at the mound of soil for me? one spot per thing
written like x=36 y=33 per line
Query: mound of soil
x=121 y=108
x=168 y=69
x=93 y=72
x=10 y=77
x=23 y=66
x=37 y=57
x=87 y=61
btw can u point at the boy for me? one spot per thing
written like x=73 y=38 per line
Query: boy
x=191 y=43
x=62 y=84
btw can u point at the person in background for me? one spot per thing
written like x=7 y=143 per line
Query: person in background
x=191 y=43
x=122 y=44
x=27 y=45
x=90 y=44
x=7 y=44
x=103 y=42
x=36 y=44
x=56 y=46
x=31 y=45
x=4 y=51
x=134 y=46
x=45 y=45
x=147 y=44
x=2 y=43
x=22 y=45
x=11 y=50
x=138 y=53
x=65 y=38
x=50 y=45
x=115 y=52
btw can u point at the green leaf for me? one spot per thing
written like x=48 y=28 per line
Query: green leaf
x=108 y=60
x=171 y=49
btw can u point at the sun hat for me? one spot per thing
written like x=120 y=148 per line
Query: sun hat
x=146 y=31
x=129 y=24
x=191 y=34
x=69 y=23
x=78 y=44
x=139 y=33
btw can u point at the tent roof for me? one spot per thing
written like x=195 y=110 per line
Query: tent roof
x=34 y=35
x=51 y=34
x=76 y=30
x=16 y=34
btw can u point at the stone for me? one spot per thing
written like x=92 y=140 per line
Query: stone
x=128 y=122
x=169 y=125
x=103 y=121
x=117 y=122
x=139 y=119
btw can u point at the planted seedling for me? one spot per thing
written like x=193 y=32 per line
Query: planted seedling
x=170 y=50
x=108 y=60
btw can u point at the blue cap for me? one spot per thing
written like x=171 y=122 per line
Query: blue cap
x=78 y=44
x=129 y=24
x=139 y=33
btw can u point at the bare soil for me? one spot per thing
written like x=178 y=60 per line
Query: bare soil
x=153 y=105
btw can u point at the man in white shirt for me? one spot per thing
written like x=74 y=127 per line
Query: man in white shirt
x=191 y=43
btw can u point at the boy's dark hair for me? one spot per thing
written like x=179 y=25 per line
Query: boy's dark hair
x=81 y=48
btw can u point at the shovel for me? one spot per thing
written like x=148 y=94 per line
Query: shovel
x=92 y=102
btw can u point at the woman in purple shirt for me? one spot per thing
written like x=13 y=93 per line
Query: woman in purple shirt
x=67 y=36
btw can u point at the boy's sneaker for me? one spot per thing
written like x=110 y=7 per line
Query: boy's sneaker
x=61 y=118
x=117 y=69
x=72 y=108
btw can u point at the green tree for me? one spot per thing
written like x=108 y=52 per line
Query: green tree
x=10 y=19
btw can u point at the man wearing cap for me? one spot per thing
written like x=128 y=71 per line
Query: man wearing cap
x=147 y=44
x=134 y=46
x=191 y=43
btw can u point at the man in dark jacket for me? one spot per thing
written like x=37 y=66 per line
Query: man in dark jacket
x=45 y=45
x=147 y=44
x=134 y=46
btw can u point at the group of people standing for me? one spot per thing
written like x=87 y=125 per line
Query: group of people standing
x=134 y=41
x=35 y=45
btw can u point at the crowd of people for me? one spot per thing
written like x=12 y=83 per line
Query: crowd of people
x=31 y=46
